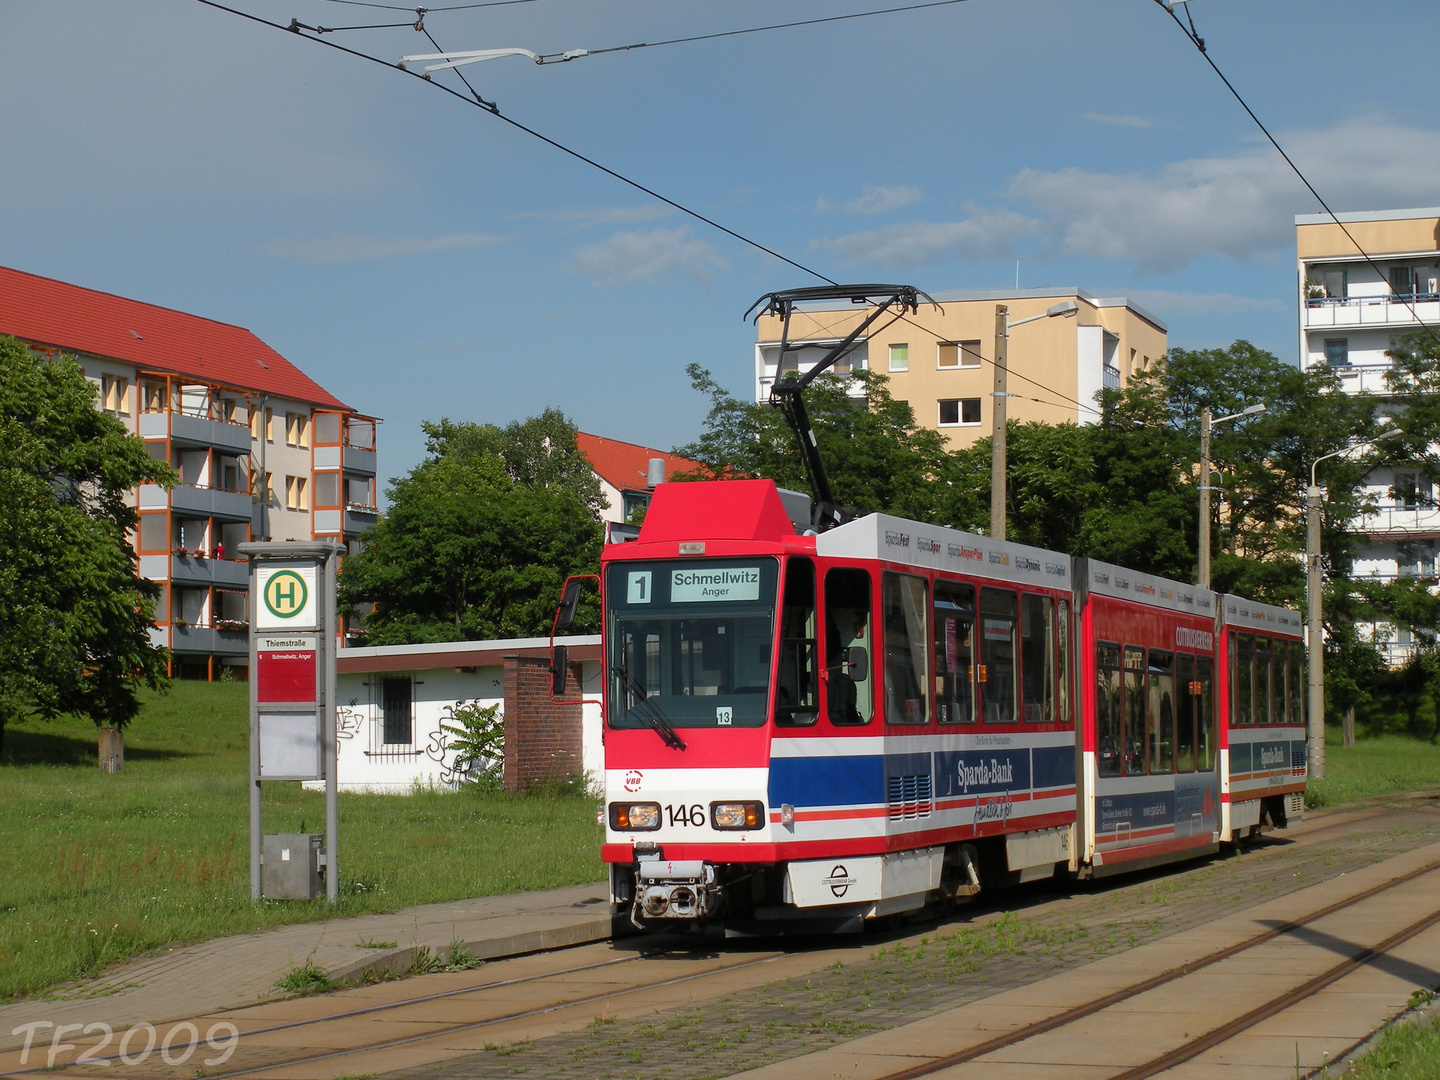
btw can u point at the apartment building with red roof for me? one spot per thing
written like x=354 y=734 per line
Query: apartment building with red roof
x=263 y=451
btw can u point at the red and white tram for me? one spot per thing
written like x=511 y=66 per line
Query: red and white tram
x=815 y=730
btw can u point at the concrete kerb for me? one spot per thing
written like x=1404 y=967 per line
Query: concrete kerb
x=398 y=961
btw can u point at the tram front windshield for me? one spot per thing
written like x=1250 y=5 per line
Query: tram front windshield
x=690 y=641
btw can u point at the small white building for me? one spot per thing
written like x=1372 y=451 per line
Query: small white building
x=393 y=702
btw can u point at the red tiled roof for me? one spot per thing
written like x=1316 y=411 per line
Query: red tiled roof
x=623 y=465
x=43 y=311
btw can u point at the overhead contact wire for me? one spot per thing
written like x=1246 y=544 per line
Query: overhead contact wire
x=494 y=110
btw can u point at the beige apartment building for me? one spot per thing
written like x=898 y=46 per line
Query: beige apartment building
x=1351 y=310
x=941 y=359
x=263 y=451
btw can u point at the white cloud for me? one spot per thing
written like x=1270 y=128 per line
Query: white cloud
x=578 y=218
x=875 y=199
x=1130 y=121
x=1239 y=206
x=345 y=248
x=634 y=256
x=1164 y=302
x=985 y=233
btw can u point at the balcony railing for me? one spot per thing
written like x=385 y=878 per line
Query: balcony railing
x=211 y=501
x=1110 y=377
x=198 y=568
x=1392 y=310
x=1401 y=522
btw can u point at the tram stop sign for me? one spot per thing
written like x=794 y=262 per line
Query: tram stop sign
x=292 y=684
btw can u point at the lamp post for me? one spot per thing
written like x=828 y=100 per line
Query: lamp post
x=1066 y=308
x=1208 y=421
x=1315 y=722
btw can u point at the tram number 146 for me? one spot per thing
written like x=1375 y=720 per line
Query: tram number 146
x=686 y=815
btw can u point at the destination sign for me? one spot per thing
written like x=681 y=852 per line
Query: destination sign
x=693 y=585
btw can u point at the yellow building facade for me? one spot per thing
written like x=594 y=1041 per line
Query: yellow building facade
x=941 y=359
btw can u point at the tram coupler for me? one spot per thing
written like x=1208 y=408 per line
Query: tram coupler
x=666 y=889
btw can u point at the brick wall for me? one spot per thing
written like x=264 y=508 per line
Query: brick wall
x=542 y=739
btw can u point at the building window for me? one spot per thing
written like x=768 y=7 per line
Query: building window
x=1412 y=491
x=1337 y=351
x=295 y=498
x=327 y=489
x=396 y=701
x=155 y=397
x=959 y=354
x=297 y=430
x=327 y=427
x=959 y=412
x=115 y=394
x=899 y=357
x=269 y=425
x=153 y=533
x=360 y=490
x=1415 y=558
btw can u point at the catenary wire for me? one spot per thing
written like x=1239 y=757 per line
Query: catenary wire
x=1199 y=43
x=452 y=7
x=495 y=111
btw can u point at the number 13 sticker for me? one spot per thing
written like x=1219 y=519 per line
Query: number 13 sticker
x=637 y=587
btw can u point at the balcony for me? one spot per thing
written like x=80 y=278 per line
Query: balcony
x=359 y=518
x=191 y=430
x=199 y=431
x=205 y=639
x=227 y=573
x=359 y=461
x=1350 y=312
x=1401 y=522
x=1110 y=377
x=197 y=501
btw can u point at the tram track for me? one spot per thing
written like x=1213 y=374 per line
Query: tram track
x=1222 y=1033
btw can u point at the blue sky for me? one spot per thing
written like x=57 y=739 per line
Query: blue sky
x=420 y=258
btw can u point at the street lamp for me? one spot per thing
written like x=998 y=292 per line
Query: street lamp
x=1207 y=421
x=1065 y=309
x=1315 y=725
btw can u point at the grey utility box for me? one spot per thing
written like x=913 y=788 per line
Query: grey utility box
x=291 y=866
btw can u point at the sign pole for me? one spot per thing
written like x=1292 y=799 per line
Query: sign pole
x=327 y=706
x=255 y=823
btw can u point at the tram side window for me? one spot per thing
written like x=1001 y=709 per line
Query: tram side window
x=1186 y=704
x=850 y=698
x=1205 y=686
x=1280 y=688
x=905 y=600
x=1066 y=717
x=1298 y=686
x=1160 y=711
x=1107 y=708
x=954 y=656
x=1242 y=674
x=997 y=656
x=1133 y=744
x=1037 y=658
x=1262 y=680
x=795 y=703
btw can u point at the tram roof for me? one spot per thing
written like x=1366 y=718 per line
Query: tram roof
x=894 y=539
x=1252 y=615
x=1107 y=579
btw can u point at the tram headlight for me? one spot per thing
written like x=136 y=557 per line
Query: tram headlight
x=638 y=816
x=737 y=815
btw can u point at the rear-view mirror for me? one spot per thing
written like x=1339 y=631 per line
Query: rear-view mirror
x=569 y=601
x=858 y=661
x=559 y=666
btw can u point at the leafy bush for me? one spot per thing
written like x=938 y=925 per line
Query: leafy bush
x=478 y=737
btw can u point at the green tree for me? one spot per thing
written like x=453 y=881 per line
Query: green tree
x=74 y=615
x=479 y=536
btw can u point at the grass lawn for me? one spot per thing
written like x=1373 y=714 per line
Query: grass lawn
x=1373 y=767
x=1405 y=1052
x=96 y=868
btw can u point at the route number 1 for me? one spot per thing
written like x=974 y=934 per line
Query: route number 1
x=637 y=587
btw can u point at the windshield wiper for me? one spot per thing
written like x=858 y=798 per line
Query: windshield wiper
x=648 y=709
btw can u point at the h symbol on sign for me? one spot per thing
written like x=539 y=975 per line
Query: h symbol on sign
x=285 y=593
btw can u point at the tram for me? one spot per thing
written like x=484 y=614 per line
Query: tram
x=813 y=719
